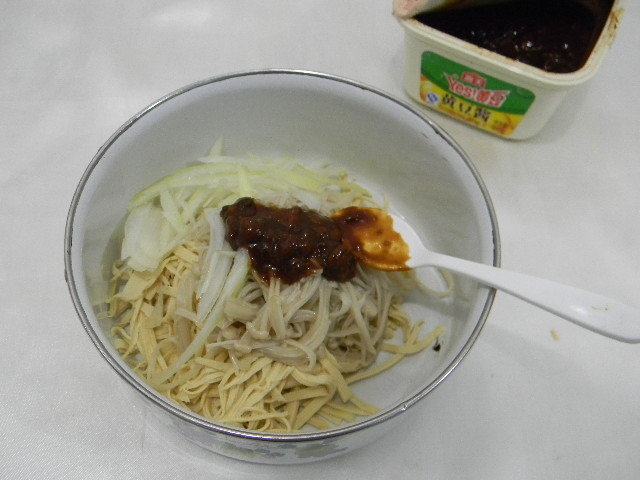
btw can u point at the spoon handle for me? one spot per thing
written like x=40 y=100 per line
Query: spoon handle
x=592 y=311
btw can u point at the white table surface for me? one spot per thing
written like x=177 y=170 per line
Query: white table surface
x=521 y=405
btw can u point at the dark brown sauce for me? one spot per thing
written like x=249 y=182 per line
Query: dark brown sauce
x=288 y=243
x=554 y=35
x=369 y=233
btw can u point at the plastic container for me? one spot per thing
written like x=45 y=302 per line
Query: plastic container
x=510 y=99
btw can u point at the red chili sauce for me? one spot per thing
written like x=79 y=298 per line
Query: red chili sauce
x=288 y=243
x=554 y=35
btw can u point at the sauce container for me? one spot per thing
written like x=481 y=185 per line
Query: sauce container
x=482 y=88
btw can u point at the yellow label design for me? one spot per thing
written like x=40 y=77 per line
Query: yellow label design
x=480 y=100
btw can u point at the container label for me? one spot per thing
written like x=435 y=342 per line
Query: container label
x=472 y=96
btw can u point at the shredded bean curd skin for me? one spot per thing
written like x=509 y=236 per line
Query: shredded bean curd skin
x=198 y=325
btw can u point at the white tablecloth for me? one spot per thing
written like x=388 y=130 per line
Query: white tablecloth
x=521 y=405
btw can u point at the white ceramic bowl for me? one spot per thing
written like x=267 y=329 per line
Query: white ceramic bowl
x=383 y=142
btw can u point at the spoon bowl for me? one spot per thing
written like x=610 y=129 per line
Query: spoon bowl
x=377 y=242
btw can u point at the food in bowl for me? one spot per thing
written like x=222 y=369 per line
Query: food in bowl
x=316 y=118
x=236 y=297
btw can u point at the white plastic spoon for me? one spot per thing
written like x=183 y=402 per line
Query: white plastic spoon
x=589 y=310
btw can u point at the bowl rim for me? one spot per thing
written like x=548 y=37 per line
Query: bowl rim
x=197 y=420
